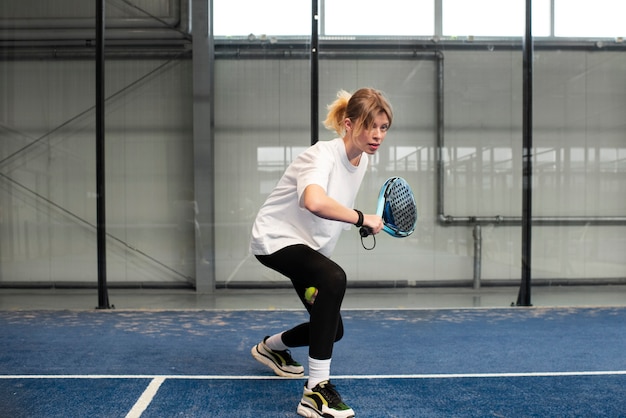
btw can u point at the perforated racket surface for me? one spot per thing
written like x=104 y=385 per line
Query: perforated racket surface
x=397 y=207
x=399 y=211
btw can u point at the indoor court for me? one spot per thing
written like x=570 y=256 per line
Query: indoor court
x=170 y=171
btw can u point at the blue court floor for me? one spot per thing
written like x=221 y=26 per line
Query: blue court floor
x=393 y=362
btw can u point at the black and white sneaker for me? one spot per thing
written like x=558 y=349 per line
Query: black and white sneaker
x=323 y=401
x=280 y=362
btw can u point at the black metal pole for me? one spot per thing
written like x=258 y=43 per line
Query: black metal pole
x=523 y=297
x=103 y=297
x=314 y=71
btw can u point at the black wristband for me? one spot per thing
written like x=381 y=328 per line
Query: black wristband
x=359 y=223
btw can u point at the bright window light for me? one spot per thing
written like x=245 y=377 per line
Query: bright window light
x=493 y=18
x=589 y=19
x=376 y=18
x=462 y=18
x=267 y=17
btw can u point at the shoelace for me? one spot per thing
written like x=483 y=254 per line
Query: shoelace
x=286 y=354
x=328 y=391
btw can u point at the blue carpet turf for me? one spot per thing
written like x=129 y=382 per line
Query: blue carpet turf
x=585 y=396
x=562 y=396
x=376 y=342
x=63 y=398
x=380 y=344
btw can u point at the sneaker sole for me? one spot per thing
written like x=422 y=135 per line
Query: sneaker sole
x=308 y=411
x=269 y=363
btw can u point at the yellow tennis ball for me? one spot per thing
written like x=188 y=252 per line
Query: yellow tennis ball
x=309 y=294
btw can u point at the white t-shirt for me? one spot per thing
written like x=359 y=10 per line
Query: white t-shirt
x=283 y=221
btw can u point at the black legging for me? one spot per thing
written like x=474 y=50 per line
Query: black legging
x=306 y=267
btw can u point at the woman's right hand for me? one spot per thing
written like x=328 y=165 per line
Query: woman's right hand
x=373 y=223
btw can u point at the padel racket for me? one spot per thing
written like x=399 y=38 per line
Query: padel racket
x=397 y=208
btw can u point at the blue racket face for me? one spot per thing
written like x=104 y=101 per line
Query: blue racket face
x=397 y=207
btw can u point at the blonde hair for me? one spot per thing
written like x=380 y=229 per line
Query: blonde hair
x=361 y=108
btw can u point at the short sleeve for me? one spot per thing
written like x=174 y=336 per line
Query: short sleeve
x=314 y=167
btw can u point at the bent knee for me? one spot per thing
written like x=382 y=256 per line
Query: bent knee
x=339 y=335
x=338 y=279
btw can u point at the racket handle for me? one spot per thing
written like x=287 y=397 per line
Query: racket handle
x=365 y=231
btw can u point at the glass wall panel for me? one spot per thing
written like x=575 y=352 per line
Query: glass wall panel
x=408 y=150
x=47 y=145
x=480 y=176
x=262 y=121
x=580 y=140
x=47 y=178
x=150 y=203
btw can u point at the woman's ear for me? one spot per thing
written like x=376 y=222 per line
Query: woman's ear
x=347 y=123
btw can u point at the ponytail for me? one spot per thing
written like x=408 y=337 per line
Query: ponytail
x=337 y=113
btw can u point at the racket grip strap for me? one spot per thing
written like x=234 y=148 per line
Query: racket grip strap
x=359 y=222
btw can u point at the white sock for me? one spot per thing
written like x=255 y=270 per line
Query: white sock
x=275 y=342
x=319 y=370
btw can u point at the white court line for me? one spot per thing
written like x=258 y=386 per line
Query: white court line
x=146 y=398
x=161 y=378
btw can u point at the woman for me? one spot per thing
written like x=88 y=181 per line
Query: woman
x=297 y=229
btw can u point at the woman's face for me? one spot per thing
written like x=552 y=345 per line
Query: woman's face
x=369 y=140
